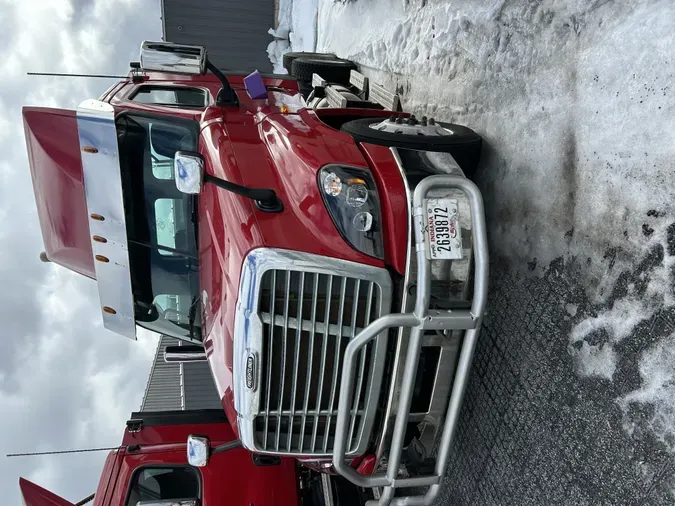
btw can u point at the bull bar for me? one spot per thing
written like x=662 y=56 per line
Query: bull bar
x=421 y=319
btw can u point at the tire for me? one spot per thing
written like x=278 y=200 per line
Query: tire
x=333 y=71
x=290 y=57
x=464 y=144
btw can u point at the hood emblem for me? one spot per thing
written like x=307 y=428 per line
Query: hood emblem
x=251 y=371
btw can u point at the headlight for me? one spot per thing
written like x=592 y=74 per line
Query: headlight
x=352 y=202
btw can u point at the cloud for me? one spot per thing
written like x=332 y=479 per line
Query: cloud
x=65 y=382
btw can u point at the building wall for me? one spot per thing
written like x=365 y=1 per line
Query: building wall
x=233 y=31
x=172 y=387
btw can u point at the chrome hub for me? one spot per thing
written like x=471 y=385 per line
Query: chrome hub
x=412 y=126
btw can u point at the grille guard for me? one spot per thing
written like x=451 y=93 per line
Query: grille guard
x=421 y=319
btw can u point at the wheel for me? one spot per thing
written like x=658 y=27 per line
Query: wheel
x=289 y=57
x=461 y=142
x=333 y=71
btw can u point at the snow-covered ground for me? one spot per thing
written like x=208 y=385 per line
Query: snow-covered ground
x=575 y=103
x=296 y=30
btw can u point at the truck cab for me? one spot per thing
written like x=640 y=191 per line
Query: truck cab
x=328 y=261
x=150 y=468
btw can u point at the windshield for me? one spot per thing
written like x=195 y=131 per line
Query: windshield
x=161 y=225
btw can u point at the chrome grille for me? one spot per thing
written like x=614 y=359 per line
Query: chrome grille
x=308 y=319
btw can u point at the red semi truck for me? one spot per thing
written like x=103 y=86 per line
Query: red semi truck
x=326 y=254
x=150 y=468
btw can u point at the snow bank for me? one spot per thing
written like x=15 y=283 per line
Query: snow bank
x=296 y=30
x=575 y=103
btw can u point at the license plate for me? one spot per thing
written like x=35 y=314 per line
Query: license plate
x=442 y=232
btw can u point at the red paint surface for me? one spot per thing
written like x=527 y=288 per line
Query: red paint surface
x=264 y=150
x=393 y=202
x=230 y=478
x=367 y=465
x=58 y=183
x=34 y=495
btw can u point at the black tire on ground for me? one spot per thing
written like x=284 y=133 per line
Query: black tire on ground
x=464 y=144
x=289 y=57
x=333 y=71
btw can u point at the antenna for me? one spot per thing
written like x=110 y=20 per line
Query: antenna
x=52 y=74
x=61 y=452
x=84 y=501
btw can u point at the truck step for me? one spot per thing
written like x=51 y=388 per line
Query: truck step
x=358 y=80
x=386 y=99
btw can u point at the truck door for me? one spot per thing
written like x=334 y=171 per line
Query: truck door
x=154 y=466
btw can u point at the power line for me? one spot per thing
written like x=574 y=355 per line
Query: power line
x=60 y=452
x=52 y=74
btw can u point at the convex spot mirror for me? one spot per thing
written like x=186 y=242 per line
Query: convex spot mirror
x=188 y=171
x=198 y=450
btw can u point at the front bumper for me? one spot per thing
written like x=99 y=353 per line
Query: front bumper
x=421 y=319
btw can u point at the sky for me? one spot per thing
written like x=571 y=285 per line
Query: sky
x=65 y=382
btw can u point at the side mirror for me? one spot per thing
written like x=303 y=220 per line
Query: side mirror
x=188 y=171
x=185 y=353
x=198 y=450
x=174 y=58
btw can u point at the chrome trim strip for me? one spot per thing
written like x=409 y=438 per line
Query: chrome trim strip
x=296 y=359
x=283 y=359
x=401 y=343
x=103 y=192
x=359 y=381
x=322 y=367
x=311 y=358
x=336 y=362
x=248 y=336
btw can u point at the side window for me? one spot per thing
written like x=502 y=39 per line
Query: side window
x=163 y=483
x=169 y=95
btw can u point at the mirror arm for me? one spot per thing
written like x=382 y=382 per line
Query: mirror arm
x=230 y=445
x=227 y=96
x=265 y=199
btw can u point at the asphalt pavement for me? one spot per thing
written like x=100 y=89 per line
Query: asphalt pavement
x=532 y=432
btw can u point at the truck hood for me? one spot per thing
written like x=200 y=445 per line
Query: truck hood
x=34 y=495
x=58 y=182
x=268 y=149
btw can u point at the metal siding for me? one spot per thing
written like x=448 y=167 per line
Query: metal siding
x=163 y=391
x=233 y=31
x=200 y=389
